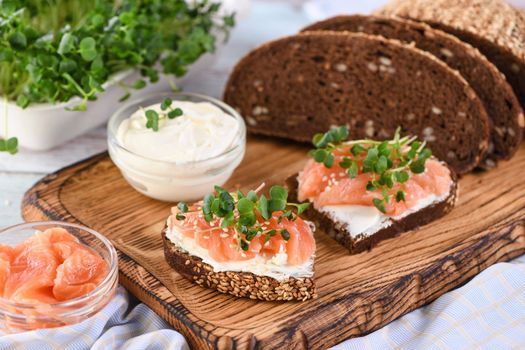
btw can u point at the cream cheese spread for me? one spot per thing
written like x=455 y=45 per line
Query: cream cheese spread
x=276 y=267
x=362 y=220
x=203 y=131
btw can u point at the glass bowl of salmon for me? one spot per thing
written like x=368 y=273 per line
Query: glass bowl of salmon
x=53 y=274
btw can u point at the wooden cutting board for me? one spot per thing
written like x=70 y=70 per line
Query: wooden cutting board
x=357 y=294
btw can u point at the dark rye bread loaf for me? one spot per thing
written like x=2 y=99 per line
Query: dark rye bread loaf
x=239 y=284
x=494 y=27
x=487 y=81
x=300 y=85
x=360 y=243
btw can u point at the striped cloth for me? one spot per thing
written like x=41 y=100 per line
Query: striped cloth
x=486 y=313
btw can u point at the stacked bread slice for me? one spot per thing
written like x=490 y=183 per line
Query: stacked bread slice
x=300 y=85
x=494 y=27
x=488 y=82
x=435 y=77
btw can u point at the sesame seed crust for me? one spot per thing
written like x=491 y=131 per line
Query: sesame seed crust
x=239 y=284
x=494 y=20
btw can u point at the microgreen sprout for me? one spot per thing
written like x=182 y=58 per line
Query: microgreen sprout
x=153 y=117
x=390 y=162
x=247 y=214
x=54 y=51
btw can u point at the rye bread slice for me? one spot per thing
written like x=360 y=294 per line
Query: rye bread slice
x=494 y=27
x=487 y=81
x=303 y=84
x=361 y=243
x=239 y=284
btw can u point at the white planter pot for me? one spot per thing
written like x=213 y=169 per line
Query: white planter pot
x=44 y=126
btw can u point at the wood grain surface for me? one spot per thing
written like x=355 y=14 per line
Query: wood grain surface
x=357 y=294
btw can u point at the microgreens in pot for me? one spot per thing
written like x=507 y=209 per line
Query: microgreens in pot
x=153 y=117
x=239 y=211
x=390 y=162
x=52 y=51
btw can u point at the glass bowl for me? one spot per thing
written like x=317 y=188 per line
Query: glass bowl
x=168 y=180
x=17 y=317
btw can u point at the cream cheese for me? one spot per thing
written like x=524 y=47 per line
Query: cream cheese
x=187 y=156
x=361 y=220
x=203 y=131
x=276 y=267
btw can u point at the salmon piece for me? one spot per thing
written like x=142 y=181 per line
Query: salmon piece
x=65 y=249
x=5 y=265
x=315 y=177
x=331 y=186
x=80 y=273
x=49 y=267
x=47 y=237
x=32 y=274
x=222 y=244
x=275 y=245
x=301 y=245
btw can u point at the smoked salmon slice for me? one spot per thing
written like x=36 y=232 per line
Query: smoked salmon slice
x=332 y=186
x=49 y=267
x=222 y=245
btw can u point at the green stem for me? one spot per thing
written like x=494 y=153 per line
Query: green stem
x=5 y=118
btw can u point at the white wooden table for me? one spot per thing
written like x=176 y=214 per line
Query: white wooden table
x=18 y=173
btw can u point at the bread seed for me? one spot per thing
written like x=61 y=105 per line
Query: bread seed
x=446 y=52
x=369 y=128
x=386 y=61
x=436 y=110
x=258 y=110
x=372 y=66
x=489 y=163
x=521 y=120
x=341 y=67
x=251 y=121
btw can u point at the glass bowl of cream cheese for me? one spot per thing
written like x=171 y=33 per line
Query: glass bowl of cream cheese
x=191 y=150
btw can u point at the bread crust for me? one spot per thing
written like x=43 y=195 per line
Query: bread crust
x=489 y=83
x=239 y=284
x=363 y=243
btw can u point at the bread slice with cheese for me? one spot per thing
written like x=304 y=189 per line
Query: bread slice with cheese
x=360 y=227
x=238 y=283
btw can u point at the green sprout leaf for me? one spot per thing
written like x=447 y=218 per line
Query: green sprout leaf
x=183 y=207
x=263 y=207
x=152 y=120
x=166 y=103
x=379 y=204
x=177 y=112
x=88 y=49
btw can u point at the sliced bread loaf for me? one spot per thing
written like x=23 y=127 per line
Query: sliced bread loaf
x=303 y=84
x=490 y=85
x=494 y=27
x=239 y=284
